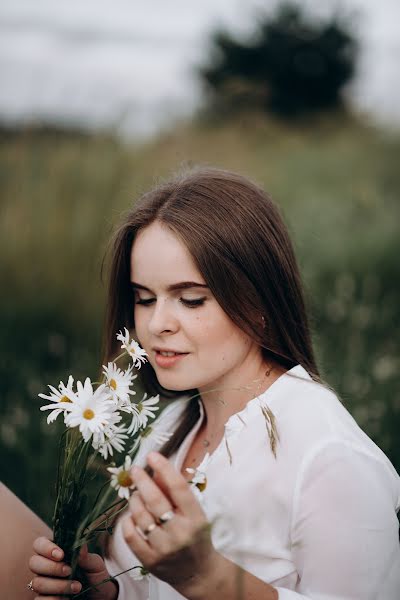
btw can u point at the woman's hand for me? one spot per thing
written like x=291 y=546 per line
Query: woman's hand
x=51 y=573
x=177 y=548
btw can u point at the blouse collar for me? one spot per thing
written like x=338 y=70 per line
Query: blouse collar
x=241 y=418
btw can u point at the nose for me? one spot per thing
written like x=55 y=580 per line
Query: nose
x=163 y=320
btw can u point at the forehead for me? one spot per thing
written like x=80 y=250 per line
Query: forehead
x=158 y=255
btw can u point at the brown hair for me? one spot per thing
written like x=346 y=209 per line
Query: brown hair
x=242 y=248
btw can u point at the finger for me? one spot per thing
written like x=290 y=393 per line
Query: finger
x=160 y=484
x=152 y=497
x=48 y=598
x=176 y=485
x=145 y=553
x=44 y=566
x=48 y=586
x=47 y=548
x=140 y=513
x=91 y=563
x=83 y=553
x=153 y=532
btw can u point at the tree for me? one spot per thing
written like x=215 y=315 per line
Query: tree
x=294 y=66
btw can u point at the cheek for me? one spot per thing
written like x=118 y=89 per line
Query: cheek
x=218 y=335
x=140 y=326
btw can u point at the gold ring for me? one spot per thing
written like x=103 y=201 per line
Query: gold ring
x=165 y=517
x=30 y=586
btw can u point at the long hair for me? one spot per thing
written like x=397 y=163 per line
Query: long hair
x=241 y=247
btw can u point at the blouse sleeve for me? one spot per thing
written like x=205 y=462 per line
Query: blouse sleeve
x=120 y=559
x=345 y=531
x=121 y=556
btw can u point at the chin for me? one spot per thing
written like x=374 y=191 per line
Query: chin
x=174 y=383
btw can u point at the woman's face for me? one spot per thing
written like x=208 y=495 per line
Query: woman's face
x=190 y=340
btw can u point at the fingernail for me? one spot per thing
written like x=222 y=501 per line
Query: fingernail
x=76 y=587
x=57 y=553
x=66 y=570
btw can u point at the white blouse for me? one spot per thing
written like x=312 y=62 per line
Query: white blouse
x=318 y=522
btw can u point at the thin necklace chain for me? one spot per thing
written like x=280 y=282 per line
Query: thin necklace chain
x=206 y=442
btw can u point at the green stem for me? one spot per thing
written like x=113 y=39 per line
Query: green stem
x=111 y=578
x=104 y=512
x=106 y=483
x=120 y=356
x=89 y=535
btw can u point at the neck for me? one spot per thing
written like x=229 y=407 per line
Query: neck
x=225 y=398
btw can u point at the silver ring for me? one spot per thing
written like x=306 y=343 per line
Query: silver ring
x=165 y=517
x=30 y=586
x=149 y=529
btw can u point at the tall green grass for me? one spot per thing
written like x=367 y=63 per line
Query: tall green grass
x=337 y=182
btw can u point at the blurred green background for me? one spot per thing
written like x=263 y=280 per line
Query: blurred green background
x=337 y=182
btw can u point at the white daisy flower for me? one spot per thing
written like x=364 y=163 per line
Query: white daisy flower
x=199 y=479
x=92 y=411
x=135 y=422
x=132 y=347
x=62 y=399
x=152 y=438
x=142 y=411
x=121 y=478
x=198 y=483
x=119 y=383
x=113 y=437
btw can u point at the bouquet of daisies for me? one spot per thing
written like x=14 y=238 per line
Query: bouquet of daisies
x=100 y=418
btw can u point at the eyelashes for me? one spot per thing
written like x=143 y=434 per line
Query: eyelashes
x=145 y=302
x=192 y=303
x=188 y=303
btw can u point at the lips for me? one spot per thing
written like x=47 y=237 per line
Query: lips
x=167 y=351
x=166 y=358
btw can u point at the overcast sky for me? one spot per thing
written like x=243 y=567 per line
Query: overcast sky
x=130 y=65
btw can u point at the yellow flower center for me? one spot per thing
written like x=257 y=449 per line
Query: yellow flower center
x=202 y=486
x=113 y=384
x=65 y=399
x=88 y=414
x=139 y=407
x=124 y=479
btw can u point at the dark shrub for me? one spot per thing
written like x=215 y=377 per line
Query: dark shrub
x=293 y=66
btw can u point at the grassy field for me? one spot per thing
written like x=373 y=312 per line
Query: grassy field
x=337 y=182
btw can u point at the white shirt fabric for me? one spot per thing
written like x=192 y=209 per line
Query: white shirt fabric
x=318 y=522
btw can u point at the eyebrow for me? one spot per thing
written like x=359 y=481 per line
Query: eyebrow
x=182 y=285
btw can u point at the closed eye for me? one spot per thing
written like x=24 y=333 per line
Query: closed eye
x=192 y=303
x=186 y=302
x=145 y=302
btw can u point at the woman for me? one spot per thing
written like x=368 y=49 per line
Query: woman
x=299 y=503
